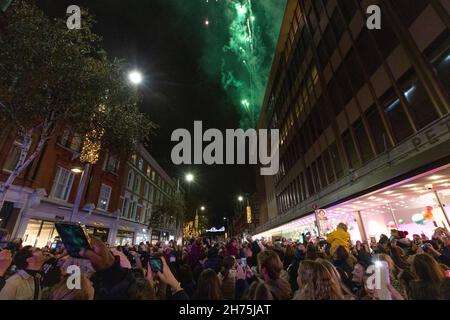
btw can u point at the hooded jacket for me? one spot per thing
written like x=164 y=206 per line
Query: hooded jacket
x=339 y=237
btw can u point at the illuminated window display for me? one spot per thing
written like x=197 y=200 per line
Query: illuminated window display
x=417 y=206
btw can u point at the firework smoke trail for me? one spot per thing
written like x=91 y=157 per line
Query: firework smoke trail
x=245 y=45
x=251 y=31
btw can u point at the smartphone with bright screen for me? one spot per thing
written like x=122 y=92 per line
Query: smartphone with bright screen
x=74 y=238
x=244 y=262
x=155 y=264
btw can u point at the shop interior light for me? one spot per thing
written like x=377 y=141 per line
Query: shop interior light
x=388 y=192
x=409 y=185
x=435 y=177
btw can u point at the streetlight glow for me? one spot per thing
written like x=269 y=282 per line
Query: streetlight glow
x=202 y=208
x=241 y=198
x=189 y=177
x=135 y=77
x=76 y=170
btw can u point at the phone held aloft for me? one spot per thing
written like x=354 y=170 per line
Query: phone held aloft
x=74 y=237
x=156 y=264
x=385 y=280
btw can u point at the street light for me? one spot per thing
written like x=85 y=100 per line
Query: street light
x=189 y=177
x=202 y=208
x=77 y=170
x=241 y=198
x=135 y=77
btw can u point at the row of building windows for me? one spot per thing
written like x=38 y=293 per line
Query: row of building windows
x=341 y=92
x=146 y=169
x=404 y=108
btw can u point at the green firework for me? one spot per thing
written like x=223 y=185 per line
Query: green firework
x=238 y=39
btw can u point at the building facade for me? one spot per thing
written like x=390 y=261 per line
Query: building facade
x=363 y=118
x=112 y=207
x=146 y=189
x=240 y=221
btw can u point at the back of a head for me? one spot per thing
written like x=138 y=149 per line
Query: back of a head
x=427 y=269
x=60 y=291
x=342 y=226
x=185 y=274
x=311 y=252
x=228 y=262
x=140 y=289
x=317 y=283
x=270 y=261
x=341 y=254
x=330 y=267
x=262 y=292
x=208 y=286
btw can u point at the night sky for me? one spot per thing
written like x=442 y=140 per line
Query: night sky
x=184 y=66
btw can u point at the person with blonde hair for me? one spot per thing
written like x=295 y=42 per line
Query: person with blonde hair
x=348 y=295
x=315 y=282
x=61 y=290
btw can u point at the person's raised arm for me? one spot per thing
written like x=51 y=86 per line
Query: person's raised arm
x=169 y=279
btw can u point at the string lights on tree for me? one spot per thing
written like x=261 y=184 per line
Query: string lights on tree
x=91 y=146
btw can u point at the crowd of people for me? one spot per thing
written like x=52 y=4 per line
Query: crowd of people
x=235 y=269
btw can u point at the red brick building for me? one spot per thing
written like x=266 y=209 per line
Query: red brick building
x=45 y=192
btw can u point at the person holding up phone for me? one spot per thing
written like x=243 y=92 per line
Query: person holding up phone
x=164 y=274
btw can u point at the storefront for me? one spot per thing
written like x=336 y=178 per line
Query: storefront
x=39 y=233
x=156 y=234
x=101 y=233
x=164 y=236
x=417 y=205
x=142 y=236
x=124 y=238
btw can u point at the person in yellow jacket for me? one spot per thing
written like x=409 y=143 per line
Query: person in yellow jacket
x=339 y=237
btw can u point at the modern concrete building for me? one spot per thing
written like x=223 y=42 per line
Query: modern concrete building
x=363 y=117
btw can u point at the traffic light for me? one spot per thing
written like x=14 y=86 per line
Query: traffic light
x=4 y=4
